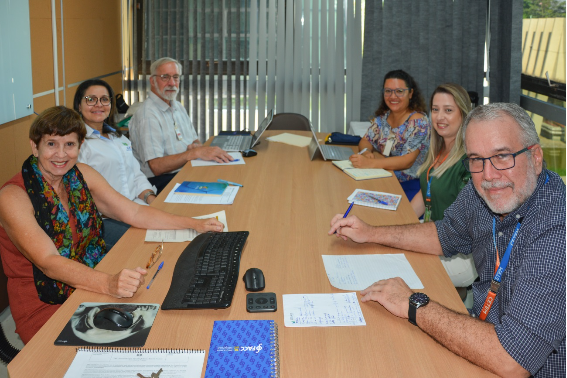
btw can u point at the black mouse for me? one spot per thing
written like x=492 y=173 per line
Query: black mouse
x=249 y=153
x=254 y=280
x=113 y=319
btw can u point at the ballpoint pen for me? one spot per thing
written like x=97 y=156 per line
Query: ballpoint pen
x=379 y=201
x=348 y=211
x=363 y=151
x=229 y=182
x=154 y=277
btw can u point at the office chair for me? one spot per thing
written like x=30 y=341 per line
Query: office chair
x=289 y=121
x=474 y=98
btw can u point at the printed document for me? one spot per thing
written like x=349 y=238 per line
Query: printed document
x=357 y=272
x=227 y=197
x=292 y=139
x=177 y=236
x=206 y=163
x=322 y=310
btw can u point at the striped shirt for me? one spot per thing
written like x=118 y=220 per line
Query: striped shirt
x=152 y=131
x=529 y=311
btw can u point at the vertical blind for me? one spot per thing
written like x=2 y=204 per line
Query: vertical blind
x=305 y=57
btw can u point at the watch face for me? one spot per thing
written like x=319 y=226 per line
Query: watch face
x=419 y=299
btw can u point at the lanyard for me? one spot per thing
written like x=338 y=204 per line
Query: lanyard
x=428 y=195
x=499 y=269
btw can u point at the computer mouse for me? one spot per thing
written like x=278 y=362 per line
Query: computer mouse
x=249 y=153
x=113 y=319
x=254 y=280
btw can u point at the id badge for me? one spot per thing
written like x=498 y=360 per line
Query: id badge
x=177 y=131
x=427 y=214
x=388 y=147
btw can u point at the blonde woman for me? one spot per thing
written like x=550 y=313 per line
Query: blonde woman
x=442 y=176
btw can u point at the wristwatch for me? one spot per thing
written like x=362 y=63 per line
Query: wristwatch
x=416 y=300
x=148 y=193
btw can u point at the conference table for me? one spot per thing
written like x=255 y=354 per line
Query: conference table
x=286 y=204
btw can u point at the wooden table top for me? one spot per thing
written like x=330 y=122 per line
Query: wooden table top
x=286 y=204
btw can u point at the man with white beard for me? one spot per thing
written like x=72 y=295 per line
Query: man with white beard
x=511 y=217
x=163 y=138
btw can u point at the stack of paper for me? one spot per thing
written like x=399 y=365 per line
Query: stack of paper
x=205 y=163
x=178 y=236
x=227 y=198
x=291 y=139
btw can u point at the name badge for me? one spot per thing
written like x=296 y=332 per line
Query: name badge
x=177 y=131
x=388 y=147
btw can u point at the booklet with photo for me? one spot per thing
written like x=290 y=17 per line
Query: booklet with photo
x=109 y=324
x=196 y=188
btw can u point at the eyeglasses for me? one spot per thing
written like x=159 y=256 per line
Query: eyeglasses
x=500 y=161
x=155 y=256
x=399 y=92
x=92 y=100
x=165 y=78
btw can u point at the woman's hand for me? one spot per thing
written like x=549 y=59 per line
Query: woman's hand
x=209 y=224
x=126 y=282
x=362 y=161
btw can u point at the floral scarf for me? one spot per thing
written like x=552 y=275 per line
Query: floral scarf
x=54 y=220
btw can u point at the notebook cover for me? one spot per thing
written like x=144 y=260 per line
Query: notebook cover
x=243 y=348
x=197 y=188
x=378 y=200
x=81 y=331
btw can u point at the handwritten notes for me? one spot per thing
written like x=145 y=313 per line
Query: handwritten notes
x=357 y=272
x=322 y=310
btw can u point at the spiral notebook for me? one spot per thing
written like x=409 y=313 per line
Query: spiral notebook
x=244 y=348
x=129 y=362
x=378 y=200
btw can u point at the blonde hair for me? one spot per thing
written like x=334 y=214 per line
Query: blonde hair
x=463 y=102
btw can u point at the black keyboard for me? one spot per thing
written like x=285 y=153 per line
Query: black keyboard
x=206 y=273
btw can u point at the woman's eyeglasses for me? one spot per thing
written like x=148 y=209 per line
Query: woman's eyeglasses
x=399 y=92
x=155 y=256
x=93 y=100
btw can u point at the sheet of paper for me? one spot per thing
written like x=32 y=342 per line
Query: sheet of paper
x=205 y=163
x=109 y=363
x=227 y=197
x=292 y=139
x=322 y=310
x=357 y=272
x=177 y=236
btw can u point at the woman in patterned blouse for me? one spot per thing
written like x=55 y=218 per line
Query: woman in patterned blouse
x=399 y=136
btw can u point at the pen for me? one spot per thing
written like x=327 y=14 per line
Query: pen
x=229 y=182
x=379 y=201
x=154 y=277
x=363 y=151
x=348 y=211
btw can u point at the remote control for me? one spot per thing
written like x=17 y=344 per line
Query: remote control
x=261 y=302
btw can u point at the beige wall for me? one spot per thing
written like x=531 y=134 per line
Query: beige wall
x=92 y=49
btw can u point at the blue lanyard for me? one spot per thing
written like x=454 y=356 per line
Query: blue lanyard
x=506 y=258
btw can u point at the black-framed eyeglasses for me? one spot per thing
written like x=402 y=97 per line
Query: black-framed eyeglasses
x=399 y=92
x=156 y=254
x=165 y=78
x=93 y=100
x=500 y=161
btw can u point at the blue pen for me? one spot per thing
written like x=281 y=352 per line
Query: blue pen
x=154 y=277
x=348 y=211
x=379 y=201
x=229 y=183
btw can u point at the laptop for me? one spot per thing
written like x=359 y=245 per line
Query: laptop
x=328 y=152
x=242 y=142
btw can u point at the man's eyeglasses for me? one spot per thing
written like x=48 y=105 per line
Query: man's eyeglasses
x=92 y=100
x=399 y=92
x=165 y=78
x=155 y=256
x=500 y=161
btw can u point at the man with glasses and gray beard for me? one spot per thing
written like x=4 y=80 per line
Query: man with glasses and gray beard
x=511 y=217
x=163 y=138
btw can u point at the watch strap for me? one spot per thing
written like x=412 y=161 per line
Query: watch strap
x=411 y=314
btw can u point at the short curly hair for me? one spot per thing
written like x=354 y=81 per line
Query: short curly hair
x=57 y=120
x=416 y=101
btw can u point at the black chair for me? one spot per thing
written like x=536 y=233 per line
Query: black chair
x=289 y=121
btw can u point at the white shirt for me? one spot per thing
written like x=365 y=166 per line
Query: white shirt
x=158 y=130
x=112 y=157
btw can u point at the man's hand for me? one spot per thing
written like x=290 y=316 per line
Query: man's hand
x=350 y=227
x=362 y=161
x=209 y=224
x=392 y=293
x=126 y=282
x=212 y=153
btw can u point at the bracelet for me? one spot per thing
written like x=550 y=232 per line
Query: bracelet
x=148 y=193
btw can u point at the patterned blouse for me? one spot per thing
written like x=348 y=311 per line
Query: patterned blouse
x=410 y=136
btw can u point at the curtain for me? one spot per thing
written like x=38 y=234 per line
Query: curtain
x=305 y=57
x=435 y=41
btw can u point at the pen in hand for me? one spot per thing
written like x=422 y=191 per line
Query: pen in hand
x=154 y=277
x=363 y=151
x=348 y=211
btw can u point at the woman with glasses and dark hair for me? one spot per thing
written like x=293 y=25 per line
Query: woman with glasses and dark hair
x=109 y=152
x=399 y=136
x=442 y=175
x=51 y=230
